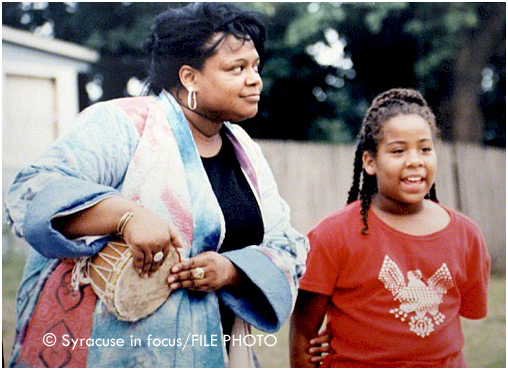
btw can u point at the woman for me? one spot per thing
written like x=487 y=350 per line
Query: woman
x=164 y=171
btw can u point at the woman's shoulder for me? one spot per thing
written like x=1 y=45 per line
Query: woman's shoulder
x=239 y=132
x=130 y=103
x=137 y=109
x=134 y=102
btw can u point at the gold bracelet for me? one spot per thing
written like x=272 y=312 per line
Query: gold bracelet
x=123 y=222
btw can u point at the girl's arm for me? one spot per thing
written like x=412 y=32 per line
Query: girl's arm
x=306 y=321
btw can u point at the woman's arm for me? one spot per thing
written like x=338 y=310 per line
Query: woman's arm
x=270 y=271
x=267 y=274
x=219 y=272
x=145 y=232
x=82 y=168
x=306 y=321
x=100 y=219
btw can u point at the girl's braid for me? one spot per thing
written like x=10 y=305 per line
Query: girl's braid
x=385 y=106
x=432 y=193
x=358 y=165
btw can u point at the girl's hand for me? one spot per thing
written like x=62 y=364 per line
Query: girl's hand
x=216 y=272
x=147 y=234
x=319 y=348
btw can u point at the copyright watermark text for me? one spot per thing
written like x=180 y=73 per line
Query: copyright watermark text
x=249 y=340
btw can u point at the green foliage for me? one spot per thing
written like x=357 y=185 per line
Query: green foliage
x=377 y=13
x=454 y=22
x=309 y=22
x=390 y=44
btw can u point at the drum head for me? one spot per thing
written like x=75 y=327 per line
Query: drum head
x=136 y=297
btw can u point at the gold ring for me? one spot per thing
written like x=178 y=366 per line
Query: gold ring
x=197 y=273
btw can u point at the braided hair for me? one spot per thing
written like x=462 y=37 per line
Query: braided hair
x=385 y=106
x=185 y=36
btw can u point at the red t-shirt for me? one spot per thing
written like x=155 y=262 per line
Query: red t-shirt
x=395 y=299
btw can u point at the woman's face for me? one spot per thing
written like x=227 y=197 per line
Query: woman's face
x=229 y=84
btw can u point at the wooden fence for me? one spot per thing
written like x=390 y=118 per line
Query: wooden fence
x=315 y=178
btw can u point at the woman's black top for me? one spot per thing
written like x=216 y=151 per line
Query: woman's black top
x=244 y=224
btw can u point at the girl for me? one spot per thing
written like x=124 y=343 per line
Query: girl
x=393 y=270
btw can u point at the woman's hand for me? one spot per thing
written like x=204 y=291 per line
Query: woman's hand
x=319 y=348
x=147 y=234
x=218 y=272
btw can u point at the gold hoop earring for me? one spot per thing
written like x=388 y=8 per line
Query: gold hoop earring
x=192 y=101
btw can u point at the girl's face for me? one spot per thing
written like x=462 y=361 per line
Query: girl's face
x=405 y=163
x=229 y=84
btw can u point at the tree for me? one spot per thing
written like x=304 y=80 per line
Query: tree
x=480 y=46
x=325 y=61
x=443 y=49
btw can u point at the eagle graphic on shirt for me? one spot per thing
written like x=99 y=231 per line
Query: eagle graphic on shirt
x=418 y=300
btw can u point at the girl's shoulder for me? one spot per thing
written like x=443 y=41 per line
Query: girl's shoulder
x=348 y=216
x=462 y=221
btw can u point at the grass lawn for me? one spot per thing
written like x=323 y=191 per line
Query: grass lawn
x=485 y=339
x=12 y=270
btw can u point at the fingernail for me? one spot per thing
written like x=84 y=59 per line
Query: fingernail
x=312 y=341
x=173 y=286
x=171 y=279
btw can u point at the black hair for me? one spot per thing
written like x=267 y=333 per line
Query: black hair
x=385 y=106
x=182 y=36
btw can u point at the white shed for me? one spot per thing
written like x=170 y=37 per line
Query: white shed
x=39 y=93
x=39 y=100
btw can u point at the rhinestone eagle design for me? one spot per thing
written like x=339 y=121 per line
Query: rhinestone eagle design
x=418 y=300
